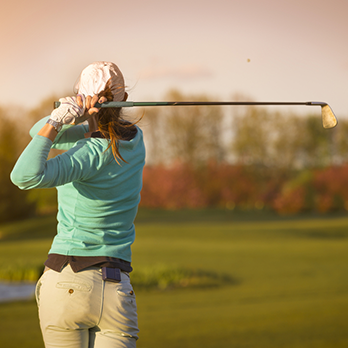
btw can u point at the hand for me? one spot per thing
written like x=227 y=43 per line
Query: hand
x=90 y=102
x=91 y=112
x=68 y=112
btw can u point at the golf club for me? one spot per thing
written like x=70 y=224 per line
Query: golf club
x=328 y=117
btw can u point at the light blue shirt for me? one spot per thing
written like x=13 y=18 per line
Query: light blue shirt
x=97 y=197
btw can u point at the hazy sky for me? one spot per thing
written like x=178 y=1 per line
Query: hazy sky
x=269 y=50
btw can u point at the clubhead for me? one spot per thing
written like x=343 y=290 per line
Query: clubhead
x=328 y=117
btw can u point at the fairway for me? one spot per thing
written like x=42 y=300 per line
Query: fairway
x=288 y=288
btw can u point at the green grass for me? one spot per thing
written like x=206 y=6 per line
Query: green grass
x=286 y=284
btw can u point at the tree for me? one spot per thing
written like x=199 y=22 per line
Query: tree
x=13 y=201
x=45 y=200
x=193 y=133
x=282 y=142
x=153 y=125
x=252 y=132
x=317 y=150
x=339 y=142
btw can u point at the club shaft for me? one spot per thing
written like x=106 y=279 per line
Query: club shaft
x=197 y=103
x=200 y=103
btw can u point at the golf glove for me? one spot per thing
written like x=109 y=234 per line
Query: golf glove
x=68 y=113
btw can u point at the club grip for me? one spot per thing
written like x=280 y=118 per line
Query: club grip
x=56 y=105
x=123 y=104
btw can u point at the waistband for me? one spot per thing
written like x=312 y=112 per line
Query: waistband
x=98 y=268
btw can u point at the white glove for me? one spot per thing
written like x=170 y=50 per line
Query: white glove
x=68 y=112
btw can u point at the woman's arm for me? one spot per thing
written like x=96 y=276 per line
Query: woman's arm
x=32 y=168
x=48 y=131
x=66 y=138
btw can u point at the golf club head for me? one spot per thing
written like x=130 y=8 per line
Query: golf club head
x=328 y=117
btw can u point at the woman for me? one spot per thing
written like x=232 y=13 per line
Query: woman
x=84 y=297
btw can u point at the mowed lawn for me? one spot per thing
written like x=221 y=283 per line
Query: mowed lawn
x=289 y=283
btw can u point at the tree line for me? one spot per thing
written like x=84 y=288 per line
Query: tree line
x=228 y=157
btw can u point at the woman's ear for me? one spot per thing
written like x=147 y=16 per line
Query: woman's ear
x=125 y=96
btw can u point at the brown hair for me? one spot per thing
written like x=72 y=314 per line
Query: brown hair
x=112 y=126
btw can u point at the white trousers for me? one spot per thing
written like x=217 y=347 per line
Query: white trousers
x=80 y=310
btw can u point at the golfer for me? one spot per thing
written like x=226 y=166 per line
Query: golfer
x=84 y=297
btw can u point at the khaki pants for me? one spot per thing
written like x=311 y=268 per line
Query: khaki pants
x=80 y=310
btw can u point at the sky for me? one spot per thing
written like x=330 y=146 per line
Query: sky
x=269 y=50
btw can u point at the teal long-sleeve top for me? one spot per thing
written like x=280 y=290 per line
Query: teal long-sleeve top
x=97 y=197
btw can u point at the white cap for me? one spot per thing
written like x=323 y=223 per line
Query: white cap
x=94 y=77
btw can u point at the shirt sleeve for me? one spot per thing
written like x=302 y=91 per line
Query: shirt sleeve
x=32 y=169
x=66 y=138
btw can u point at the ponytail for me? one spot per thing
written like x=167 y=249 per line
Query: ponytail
x=113 y=127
